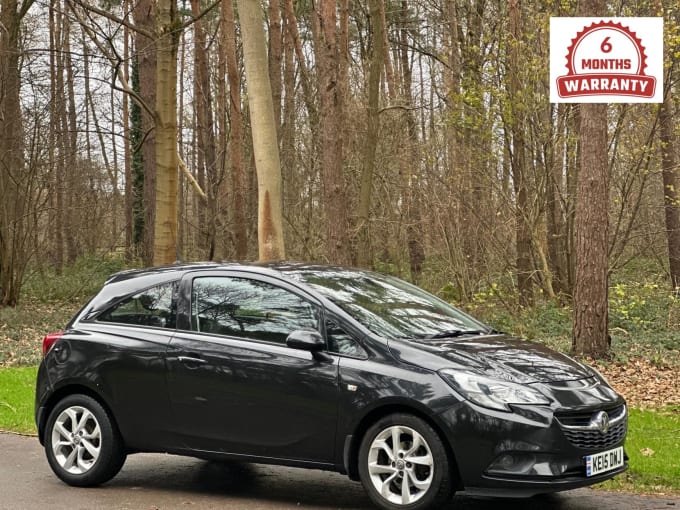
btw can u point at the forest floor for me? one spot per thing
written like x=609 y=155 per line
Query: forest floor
x=645 y=385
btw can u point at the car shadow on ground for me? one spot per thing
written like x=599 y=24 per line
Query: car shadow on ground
x=267 y=484
x=283 y=486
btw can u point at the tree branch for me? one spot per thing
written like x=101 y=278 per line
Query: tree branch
x=201 y=14
x=399 y=107
x=114 y=18
x=114 y=59
x=25 y=6
x=191 y=178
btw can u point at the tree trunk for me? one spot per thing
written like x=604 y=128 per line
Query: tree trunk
x=206 y=129
x=275 y=59
x=114 y=174
x=555 y=234
x=307 y=92
x=671 y=194
x=327 y=49
x=287 y=134
x=198 y=136
x=409 y=162
x=389 y=70
x=371 y=141
x=238 y=172
x=71 y=136
x=167 y=161
x=137 y=143
x=573 y=169
x=13 y=215
x=181 y=190
x=590 y=334
x=55 y=155
x=225 y=241
x=145 y=50
x=263 y=127
x=518 y=162
x=127 y=153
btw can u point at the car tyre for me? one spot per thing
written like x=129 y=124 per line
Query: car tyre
x=419 y=461
x=82 y=442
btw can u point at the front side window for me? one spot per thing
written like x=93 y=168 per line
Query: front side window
x=155 y=307
x=247 y=308
x=341 y=342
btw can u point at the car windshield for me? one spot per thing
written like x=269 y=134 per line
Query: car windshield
x=390 y=307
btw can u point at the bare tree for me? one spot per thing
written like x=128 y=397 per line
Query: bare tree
x=263 y=128
x=145 y=69
x=238 y=177
x=372 y=130
x=167 y=160
x=591 y=289
x=14 y=177
x=167 y=29
x=556 y=236
x=205 y=131
x=671 y=193
x=331 y=55
x=518 y=158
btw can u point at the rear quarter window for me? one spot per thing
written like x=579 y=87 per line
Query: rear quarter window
x=155 y=307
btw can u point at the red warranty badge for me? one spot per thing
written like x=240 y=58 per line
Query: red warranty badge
x=606 y=58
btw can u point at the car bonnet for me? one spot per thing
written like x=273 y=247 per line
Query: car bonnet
x=499 y=356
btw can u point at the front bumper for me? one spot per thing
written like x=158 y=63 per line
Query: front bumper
x=527 y=487
x=525 y=452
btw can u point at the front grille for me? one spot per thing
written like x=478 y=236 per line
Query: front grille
x=595 y=440
x=578 y=429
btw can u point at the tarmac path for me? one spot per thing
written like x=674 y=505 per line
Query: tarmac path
x=166 y=482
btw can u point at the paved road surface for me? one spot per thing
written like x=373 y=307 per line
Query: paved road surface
x=165 y=482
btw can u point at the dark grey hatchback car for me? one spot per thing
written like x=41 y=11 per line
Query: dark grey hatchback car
x=320 y=367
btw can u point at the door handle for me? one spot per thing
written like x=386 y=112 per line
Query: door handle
x=191 y=359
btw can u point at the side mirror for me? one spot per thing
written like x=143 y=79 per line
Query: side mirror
x=306 y=340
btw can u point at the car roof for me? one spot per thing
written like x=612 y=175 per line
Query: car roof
x=278 y=268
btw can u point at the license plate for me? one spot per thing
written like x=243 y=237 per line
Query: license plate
x=604 y=461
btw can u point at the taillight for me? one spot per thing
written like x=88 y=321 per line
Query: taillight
x=49 y=340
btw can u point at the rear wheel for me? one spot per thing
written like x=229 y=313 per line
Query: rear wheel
x=82 y=444
x=403 y=464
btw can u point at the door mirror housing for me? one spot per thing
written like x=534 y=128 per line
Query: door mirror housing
x=306 y=340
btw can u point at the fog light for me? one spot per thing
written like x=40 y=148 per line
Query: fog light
x=512 y=464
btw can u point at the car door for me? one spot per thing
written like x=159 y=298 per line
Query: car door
x=235 y=386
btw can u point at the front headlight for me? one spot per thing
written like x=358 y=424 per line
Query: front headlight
x=491 y=393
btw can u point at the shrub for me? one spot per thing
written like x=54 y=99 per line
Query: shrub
x=75 y=283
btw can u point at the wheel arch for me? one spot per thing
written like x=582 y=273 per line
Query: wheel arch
x=380 y=412
x=63 y=392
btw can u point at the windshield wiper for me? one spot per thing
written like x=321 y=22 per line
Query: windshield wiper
x=452 y=333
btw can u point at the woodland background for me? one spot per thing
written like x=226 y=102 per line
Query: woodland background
x=414 y=136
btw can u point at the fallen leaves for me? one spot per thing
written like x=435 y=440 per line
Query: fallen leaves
x=644 y=384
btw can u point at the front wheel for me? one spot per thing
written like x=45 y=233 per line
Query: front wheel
x=403 y=464
x=82 y=443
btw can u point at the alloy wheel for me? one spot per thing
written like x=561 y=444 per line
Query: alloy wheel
x=76 y=440
x=400 y=465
